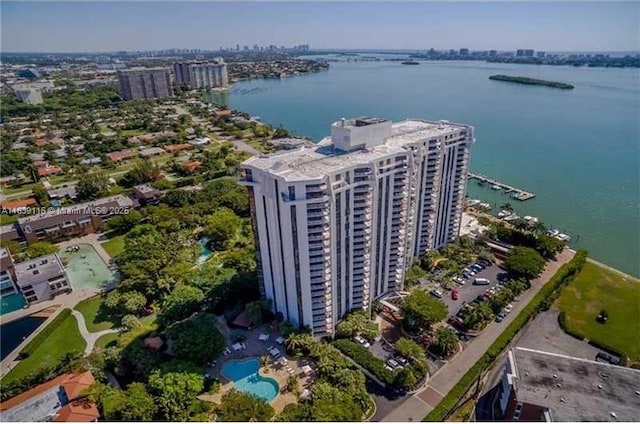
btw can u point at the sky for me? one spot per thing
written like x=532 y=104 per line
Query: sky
x=76 y=26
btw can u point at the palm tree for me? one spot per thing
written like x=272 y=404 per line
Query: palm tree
x=264 y=360
x=446 y=340
x=292 y=382
x=297 y=341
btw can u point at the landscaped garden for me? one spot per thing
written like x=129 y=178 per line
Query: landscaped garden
x=114 y=246
x=598 y=289
x=59 y=338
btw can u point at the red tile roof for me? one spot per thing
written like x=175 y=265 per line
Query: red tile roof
x=76 y=384
x=49 y=170
x=177 y=147
x=24 y=396
x=122 y=155
x=17 y=204
x=82 y=410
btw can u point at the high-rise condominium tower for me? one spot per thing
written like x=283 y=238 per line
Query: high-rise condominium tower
x=202 y=74
x=145 y=83
x=337 y=225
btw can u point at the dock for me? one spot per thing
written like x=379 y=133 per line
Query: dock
x=516 y=193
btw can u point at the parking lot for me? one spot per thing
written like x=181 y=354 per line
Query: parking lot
x=468 y=292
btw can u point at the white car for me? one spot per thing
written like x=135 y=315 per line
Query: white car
x=362 y=341
x=436 y=293
x=508 y=308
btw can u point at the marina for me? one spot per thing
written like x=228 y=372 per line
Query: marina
x=515 y=193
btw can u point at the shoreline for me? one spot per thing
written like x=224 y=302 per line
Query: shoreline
x=609 y=268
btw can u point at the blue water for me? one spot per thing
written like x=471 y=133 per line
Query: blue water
x=577 y=150
x=11 y=303
x=246 y=378
x=205 y=252
x=13 y=333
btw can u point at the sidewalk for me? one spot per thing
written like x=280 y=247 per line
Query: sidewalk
x=420 y=404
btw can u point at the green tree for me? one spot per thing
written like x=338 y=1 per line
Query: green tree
x=410 y=349
x=124 y=222
x=413 y=275
x=524 y=262
x=295 y=412
x=175 y=391
x=13 y=246
x=40 y=194
x=92 y=185
x=446 y=341
x=143 y=171
x=549 y=246
x=421 y=311
x=332 y=404
x=237 y=406
x=222 y=226
x=183 y=301
x=197 y=340
x=242 y=260
x=134 y=404
x=41 y=248
x=286 y=328
x=405 y=378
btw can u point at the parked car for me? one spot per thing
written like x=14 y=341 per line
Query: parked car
x=436 y=293
x=362 y=341
x=606 y=358
x=508 y=308
x=458 y=280
x=388 y=367
x=455 y=295
x=392 y=363
x=484 y=262
x=401 y=361
x=500 y=316
x=481 y=282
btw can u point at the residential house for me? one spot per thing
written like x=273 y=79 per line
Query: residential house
x=41 y=278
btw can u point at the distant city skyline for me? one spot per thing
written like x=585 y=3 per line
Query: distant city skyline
x=106 y=27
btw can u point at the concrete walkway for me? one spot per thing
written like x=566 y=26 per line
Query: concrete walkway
x=89 y=337
x=420 y=404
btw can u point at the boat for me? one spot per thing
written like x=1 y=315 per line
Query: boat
x=512 y=217
x=473 y=202
x=531 y=219
x=563 y=237
x=485 y=206
x=553 y=232
x=504 y=213
x=410 y=62
x=496 y=187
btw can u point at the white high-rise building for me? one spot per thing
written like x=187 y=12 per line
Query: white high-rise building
x=202 y=74
x=337 y=225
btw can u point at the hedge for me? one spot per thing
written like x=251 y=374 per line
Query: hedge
x=540 y=302
x=365 y=359
x=562 y=322
x=44 y=334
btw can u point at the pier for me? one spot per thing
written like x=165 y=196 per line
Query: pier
x=516 y=193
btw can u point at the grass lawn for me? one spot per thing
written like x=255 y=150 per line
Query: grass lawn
x=114 y=246
x=595 y=289
x=112 y=338
x=65 y=338
x=90 y=310
x=8 y=219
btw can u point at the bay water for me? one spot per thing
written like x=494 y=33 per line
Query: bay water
x=577 y=150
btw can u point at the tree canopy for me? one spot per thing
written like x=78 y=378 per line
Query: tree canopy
x=176 y=390
x=524 y=262
x=237 y=406
x=421 y=311
x=183 y=301
x=197 y=340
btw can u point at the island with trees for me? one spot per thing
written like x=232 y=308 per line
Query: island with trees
x=531 y=81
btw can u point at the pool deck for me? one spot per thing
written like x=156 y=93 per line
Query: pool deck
x=257 y=348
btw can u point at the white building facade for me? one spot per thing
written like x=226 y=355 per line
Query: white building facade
x=202 y=74
x=337 y=225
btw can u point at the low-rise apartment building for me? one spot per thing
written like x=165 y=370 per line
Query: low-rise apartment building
x=72 y=221
x=42 y=278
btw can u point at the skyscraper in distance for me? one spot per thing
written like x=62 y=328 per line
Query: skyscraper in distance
x=337 y=225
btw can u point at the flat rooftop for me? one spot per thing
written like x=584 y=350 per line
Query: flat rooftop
x=44 y=267
x=82 y=209
x=577 y=389
x=322 y=159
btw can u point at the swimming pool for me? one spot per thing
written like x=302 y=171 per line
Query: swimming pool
x=246 y=378
x=205 y=252
x=11 y=302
